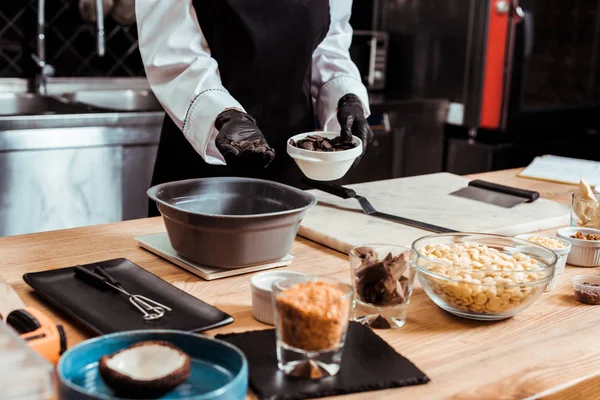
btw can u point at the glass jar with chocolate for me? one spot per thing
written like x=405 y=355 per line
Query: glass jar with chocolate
x=383 y=281
x=311 y=319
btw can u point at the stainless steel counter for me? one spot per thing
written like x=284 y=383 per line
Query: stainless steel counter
x=66 y=170
x=79 y=130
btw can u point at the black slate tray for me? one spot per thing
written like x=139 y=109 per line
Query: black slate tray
x=368 y=363
x=107 y=311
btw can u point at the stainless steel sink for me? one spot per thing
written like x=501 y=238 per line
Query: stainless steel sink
x=117 y=100
x=32 y=104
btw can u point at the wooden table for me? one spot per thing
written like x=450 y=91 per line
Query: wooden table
x=550 y=350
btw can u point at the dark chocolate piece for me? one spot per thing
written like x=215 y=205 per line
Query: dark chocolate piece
x=382 y=282
x=307 y=369
x=379 y=323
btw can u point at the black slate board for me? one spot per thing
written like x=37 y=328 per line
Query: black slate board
x=107 y=311
x=368 y=363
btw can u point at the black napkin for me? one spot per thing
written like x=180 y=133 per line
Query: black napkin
x=368 y=363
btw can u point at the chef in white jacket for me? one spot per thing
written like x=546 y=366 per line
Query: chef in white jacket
x=238 y=78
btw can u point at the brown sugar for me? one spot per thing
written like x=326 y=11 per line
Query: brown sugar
x=313 y=315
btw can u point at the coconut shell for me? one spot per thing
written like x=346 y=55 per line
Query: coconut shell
x=126 y=386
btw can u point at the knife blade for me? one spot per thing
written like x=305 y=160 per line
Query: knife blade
x=411 y=222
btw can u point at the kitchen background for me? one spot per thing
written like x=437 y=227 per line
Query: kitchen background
x=461 y=86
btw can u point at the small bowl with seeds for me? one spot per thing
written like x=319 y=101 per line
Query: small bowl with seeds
x=587 y=289
x=322 y=156
x=561 y=247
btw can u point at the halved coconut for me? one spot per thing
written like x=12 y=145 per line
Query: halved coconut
x=145 y=370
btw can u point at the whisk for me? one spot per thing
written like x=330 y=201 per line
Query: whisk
x=151 y=309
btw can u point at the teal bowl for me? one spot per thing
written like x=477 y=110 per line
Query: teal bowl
x=219 y=370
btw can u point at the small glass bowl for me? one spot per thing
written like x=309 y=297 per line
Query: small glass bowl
x=382 y=289
x=511 y=291
x=310 y=325
x=587 y=289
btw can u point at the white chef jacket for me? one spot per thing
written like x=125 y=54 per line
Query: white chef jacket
x=185 y=78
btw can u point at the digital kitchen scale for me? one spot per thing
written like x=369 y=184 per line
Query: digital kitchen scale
x=160 y=245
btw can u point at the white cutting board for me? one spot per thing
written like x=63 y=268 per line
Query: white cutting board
x=341 y=225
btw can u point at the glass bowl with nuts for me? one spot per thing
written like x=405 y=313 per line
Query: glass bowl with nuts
x=482 y=276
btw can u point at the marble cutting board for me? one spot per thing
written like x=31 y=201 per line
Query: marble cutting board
x=340 y=224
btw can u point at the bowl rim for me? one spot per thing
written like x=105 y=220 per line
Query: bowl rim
x=325 y=134
x=350 y=153
x=565 y=233
x=142 y=332
x=256 y=279
x=579 y=280
x=559 y=250
x=279 y=291
x=491 y=235
x=377 y=244
x=153 y=192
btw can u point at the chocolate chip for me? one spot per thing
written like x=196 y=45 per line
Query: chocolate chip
x=326 y=145
x=307 y=145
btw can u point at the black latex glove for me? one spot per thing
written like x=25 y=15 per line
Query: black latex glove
x=240 y=141
x=352 y=120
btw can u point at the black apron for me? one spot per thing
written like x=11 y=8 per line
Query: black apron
x=264 y=50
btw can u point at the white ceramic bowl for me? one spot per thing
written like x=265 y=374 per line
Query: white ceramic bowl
x=584 y=253
x=562 y=252
x=321 y=165
x=261 y=286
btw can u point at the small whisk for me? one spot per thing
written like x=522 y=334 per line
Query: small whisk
x=151 y=309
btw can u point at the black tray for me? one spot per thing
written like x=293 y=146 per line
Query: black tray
x=106 y=311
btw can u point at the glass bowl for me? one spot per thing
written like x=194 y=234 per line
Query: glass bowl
x=482 y=276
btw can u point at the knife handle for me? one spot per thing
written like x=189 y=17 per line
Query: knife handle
x=494 y=187
x=104 y=273
x=331 y=188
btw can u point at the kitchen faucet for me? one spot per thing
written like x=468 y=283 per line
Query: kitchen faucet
x=46 y=70
x=100 y=28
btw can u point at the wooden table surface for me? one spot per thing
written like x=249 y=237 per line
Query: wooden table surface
x=548 y=351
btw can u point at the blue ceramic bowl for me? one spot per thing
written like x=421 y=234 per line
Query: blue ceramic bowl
x=219 y=370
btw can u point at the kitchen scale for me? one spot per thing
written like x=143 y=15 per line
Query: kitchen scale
x=160 y=245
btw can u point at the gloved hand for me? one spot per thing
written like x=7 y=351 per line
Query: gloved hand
x=352 y=120
x=240 y=141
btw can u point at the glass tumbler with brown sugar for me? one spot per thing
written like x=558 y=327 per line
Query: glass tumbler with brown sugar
x=311 y=319
x=383 y=279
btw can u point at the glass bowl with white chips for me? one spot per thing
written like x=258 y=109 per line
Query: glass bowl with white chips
x=482 y=276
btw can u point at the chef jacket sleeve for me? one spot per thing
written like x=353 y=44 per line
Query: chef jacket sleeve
x=334 y=74
x=182 y=74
